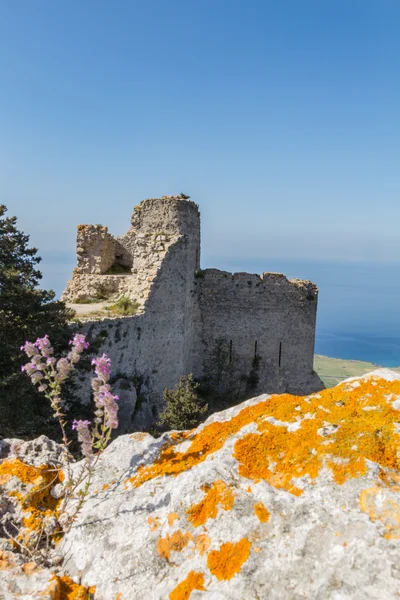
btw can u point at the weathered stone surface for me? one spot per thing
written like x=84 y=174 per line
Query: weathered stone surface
x=126 y=404
x=281 y=497
x=143 y=417
x=37 y=452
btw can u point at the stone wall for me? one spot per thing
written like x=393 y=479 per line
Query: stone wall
x=95 y=249
x=257 y=333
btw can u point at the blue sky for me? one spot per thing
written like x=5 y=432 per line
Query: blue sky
x=281 y=119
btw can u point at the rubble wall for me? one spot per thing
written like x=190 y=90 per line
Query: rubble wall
x=257 y=332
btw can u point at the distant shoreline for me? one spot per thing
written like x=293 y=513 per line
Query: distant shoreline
x=334 y=370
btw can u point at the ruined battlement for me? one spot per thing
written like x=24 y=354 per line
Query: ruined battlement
x=239 y=334
x=167 y=214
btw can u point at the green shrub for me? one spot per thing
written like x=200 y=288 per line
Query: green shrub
x=100 y=296
x=123 y=306
x=183 y=407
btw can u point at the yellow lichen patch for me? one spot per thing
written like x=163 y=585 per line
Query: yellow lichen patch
x=216 y=494
x=339 y=427
x=172 y=518
x=154 y=523
x=380 y=507
x=30 y=567
x=64 y=588
x=175 y=542
x=261 y=512
x=228 y=560
x=105 y=486
x=37 y=501
x=25 y=473
x=6 y=560
x=391 y=479
x=194 y=581
x=179 y=436
x=337 y=430
x=138 y=436
x=202 y=543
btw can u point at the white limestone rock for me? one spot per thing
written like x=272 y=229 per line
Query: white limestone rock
x=255 y=503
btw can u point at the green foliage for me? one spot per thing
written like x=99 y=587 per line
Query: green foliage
x=123 y=306
x=183 y=407
x=26 y=312
x=199 y=274
x=117 y=269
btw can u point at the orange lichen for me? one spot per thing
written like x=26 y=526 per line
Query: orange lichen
x=261 y=512
x=391 y=479
x=6 y=560
x=379 y=507
x=179 y=436
x=216 y=494
x=175 y=542
x=64 y=588
x=154 y=523
x=37 y=501
x=172 y=518
x=105 y=486
x=228 y=560
x=194 y=581
x=341 y=428
x=333 y=429
x=30 y=567
x=139 y=436
x=202 y=543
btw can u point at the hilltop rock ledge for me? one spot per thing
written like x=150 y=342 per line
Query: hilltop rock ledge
x=280 y=497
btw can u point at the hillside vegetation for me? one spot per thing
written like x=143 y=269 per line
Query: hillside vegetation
x=333 y=370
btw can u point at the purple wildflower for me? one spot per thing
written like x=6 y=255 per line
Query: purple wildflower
x=44 y=345
x=102 y=367
x=77 y=424
x=29 y=349
x=63 y=369
x=79 y=342
x=36 y=377
x=107 y=403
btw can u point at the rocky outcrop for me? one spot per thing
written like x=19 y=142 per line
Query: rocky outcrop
x=281 y=497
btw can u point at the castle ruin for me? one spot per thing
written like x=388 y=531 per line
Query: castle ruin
x=239 y=334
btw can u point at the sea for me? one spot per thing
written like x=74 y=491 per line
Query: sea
x=358 y=304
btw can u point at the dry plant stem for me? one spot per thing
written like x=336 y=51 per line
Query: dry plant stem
x=55 y=402
x=23 y=547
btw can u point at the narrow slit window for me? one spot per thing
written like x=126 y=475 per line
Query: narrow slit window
x=230 y=351
x=280 y=353
x=255 y=349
